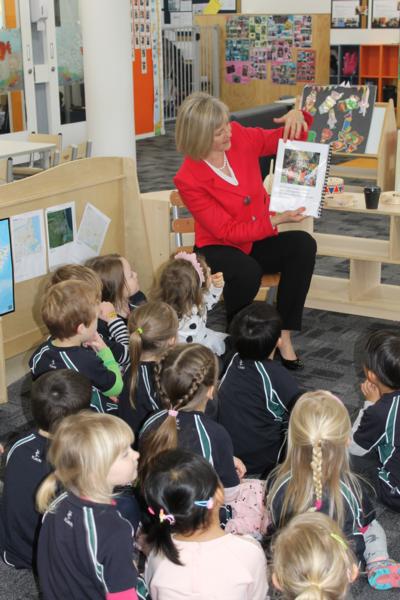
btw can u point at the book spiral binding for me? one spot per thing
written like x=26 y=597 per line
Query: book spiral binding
x=328 y=166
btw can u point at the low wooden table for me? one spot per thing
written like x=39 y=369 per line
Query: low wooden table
x=18 y=148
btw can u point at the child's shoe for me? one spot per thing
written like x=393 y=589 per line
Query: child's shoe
x=384 y=574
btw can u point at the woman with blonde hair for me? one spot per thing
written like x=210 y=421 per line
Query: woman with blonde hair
x=220 y=183
x=85 y=546
x=316 y=476
x=312 y=560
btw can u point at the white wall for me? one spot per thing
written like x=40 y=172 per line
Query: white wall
x=338 y=36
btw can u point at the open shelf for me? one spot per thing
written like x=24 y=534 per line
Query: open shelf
x=344 y=246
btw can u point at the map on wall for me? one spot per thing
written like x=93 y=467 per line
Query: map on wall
x=7 y=302
x=342 y=115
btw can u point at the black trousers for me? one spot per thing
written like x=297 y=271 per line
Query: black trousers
x=291 y=253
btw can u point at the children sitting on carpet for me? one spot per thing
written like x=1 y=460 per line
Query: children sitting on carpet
x=54 y=395
x=316 y=475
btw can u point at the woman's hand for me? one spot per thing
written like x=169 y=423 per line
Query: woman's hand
x=289 y=216
x=293 y=124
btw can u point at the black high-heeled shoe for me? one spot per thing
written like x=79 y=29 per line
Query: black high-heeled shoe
x=293 y=365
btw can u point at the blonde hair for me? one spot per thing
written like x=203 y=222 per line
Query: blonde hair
x=78 y=272
x=110 y=270
x=312 y=560
x=198 y=117
x=317 y=457
x=151 y=327
x=82 y=450
x=178 y=284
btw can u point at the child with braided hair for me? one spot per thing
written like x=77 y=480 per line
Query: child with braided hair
x=185 y=380
x=316 y=475
x=153 y=329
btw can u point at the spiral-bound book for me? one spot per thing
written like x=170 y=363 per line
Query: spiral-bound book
x=300 y=176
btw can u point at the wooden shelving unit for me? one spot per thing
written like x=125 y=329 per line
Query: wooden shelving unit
x=379 y=65
x=362 y=293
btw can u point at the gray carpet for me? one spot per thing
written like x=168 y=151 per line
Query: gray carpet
x=329 y=344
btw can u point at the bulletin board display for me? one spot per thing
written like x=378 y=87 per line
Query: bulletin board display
x=265 y=57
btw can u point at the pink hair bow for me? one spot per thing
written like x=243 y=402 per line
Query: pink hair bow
x=192 y=258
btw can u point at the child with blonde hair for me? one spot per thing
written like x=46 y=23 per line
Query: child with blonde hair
x=191 y=556
x=316 y=475
x=153 y=329
x=312 y=560
x=120 y=295
x=185 y=283
x=85 y=547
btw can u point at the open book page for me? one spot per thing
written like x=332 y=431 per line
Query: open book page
x=299 y=179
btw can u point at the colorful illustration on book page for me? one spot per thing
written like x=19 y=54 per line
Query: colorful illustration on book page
x=302 y=31
x=258 y=62
x=280 y=27
x=238 y=71
x=306 y=65
x=282 y=51
x=342 y=115
x=283 y=73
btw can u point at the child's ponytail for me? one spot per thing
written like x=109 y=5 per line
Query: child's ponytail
x=47 y=492
x=316 y=467
x=153 y=327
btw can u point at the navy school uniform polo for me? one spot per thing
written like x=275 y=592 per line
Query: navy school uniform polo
x=26 y=467
x=85 y=551
x=254 y=400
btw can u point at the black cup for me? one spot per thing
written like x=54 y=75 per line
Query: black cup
x=371 y=195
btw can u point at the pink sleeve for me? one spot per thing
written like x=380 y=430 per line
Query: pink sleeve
x=125 y=595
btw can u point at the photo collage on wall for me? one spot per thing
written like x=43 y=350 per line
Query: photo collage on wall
x=142 y=30
x=254 y=41
x=342 y=115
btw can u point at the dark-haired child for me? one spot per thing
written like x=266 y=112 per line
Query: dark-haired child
x=256 y=393
x=192 y=557
x=54 y=396
x=70 y=310
x=375 y=447
x=120 y=295
x=153 y=328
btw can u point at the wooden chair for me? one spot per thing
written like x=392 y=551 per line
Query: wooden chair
x=6 y=170
x=45 y=138
x=84 y=150
x=181 y=225
x=68 y=154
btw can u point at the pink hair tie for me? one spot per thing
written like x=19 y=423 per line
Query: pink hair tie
x=192 y=258
x=164 y=517
x=318 y=504
x=173 y=413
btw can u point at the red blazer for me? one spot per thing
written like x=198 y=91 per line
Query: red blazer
x=225 y=214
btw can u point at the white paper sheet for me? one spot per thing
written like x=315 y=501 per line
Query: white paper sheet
x=61 y=234
x=91 y=233
x=299 y=178
x=29 y=245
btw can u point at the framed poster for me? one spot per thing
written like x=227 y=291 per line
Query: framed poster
x=385 y=14
x=349 y=14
